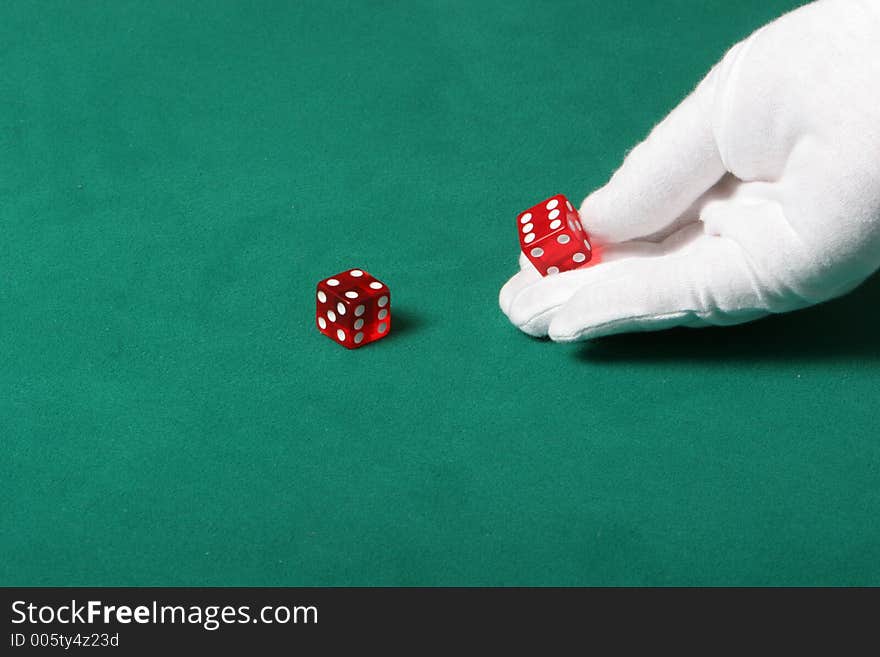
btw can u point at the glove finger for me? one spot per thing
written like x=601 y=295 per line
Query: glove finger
x=530 y=301
x=529 y=275
x=710 y=282
x=522 y=279
x=661 y=177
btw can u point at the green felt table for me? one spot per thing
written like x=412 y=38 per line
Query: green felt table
x=175 y=177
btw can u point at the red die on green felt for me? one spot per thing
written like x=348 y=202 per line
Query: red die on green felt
x=552 y=237
x=354 y=308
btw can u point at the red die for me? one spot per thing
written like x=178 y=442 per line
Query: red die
x=552 y=238
x=354 y=308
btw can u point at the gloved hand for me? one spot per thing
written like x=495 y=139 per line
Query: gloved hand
x=759 y=194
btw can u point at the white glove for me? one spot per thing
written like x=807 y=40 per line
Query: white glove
x=759 y=194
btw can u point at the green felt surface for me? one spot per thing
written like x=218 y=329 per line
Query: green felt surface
x=176 y=176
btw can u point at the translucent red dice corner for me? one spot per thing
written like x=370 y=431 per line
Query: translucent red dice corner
x=552 y=237
x=353 y=308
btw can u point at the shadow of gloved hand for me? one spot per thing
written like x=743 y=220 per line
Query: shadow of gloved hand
x=758 y=194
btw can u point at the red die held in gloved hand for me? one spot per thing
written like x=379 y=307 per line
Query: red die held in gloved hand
x=552 y=238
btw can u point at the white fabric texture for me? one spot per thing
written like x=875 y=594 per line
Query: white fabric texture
x=758 y=194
